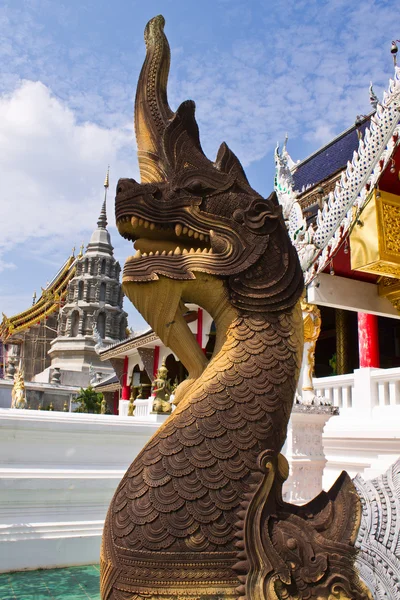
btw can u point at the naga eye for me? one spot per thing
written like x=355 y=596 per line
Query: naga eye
x=195 y=186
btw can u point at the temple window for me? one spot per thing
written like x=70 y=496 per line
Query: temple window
x=80 y=290
x=101 y=324
x=102 y=292
x=103 y=266
x=74 y=323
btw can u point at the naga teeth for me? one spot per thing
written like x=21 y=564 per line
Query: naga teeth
x=144 y=254
x=185 y=230
x=170 y=253
x=141 y=222
x=190 y=232
x=134 y=222
x=138 y=254
x=192 y=251
x=152 y=226
x=151 y=253
x=198 y=251
x=177 y=251
x=178 y=229
x=196 y=235
x=157 y=253
x=164 y=253
x=146 y=224
x=205 y=251
x=184 y=251
x=201 y=237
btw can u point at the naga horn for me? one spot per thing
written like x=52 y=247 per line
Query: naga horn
x=152 y=112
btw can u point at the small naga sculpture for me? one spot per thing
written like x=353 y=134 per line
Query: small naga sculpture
x=18 y=399
x=199 y=513
x=162 y=391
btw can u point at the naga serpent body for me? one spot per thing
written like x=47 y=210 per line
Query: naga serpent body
x=199 y=513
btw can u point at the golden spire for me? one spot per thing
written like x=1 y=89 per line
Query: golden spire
x=81 y=250
x=107 y=179
x=73 y=251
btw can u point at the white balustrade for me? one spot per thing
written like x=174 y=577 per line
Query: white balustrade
x=338 y=389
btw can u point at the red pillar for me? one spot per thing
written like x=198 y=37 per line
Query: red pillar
x=126 y=390
x=368 y=340
x=199 y=334
x=155 y=360
x=115 y=406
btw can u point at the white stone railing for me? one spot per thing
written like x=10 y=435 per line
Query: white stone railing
x=364 y=389
x=338 y=389
x=386 y=387
x=364 y=438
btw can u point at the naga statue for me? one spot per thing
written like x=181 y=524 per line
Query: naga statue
x=199 y=514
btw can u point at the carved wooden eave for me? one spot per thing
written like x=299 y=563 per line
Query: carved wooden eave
x=316 y=245
x=121 y=348
x=48 y=303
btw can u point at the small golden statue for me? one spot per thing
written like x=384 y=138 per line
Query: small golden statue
x=18 y=391
x=103 y=406
x=65 y=407
x=131 y=406
x=161 y=390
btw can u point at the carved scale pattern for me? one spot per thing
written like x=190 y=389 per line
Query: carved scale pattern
x=182 y=493
x=379 y=535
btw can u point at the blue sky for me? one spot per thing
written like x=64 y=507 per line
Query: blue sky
x=256 y=69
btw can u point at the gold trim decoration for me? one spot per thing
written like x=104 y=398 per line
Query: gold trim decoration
x=47 y=304
x=375 y=239
x=389 y=288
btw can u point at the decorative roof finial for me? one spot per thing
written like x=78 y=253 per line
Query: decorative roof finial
x=373 y=98
x=106 y=181
x=394 y=50
x=73 y=251
x=102 y=222
x=34 y=298
x=81 y=250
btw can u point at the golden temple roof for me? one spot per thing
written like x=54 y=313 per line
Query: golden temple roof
x=48 y=303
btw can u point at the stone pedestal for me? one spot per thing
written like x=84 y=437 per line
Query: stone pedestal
x=305 y=453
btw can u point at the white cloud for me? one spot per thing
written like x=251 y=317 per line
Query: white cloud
x=52 y=167
x=51 y=184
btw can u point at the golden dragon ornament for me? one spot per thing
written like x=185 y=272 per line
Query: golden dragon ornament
x=199 y=514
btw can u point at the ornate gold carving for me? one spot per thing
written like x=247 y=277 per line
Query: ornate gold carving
x=47 y=304
x=375 y=239
x=212 y=471
x=342 y=341
x=312 y=328
x=389 y=288
x=391 y=225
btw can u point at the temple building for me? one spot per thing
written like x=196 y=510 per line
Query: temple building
x=56 y=340
x=342 y=209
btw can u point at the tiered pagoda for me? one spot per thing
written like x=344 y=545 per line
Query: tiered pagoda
x=57 y=339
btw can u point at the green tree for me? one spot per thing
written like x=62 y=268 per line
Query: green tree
x=89 y=400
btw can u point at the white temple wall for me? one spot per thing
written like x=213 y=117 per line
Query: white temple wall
x=365 y=437
x=58 y=474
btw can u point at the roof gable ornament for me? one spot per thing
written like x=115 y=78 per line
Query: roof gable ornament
x=316 y=245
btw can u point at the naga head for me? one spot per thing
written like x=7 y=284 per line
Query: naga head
x=190 y=215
